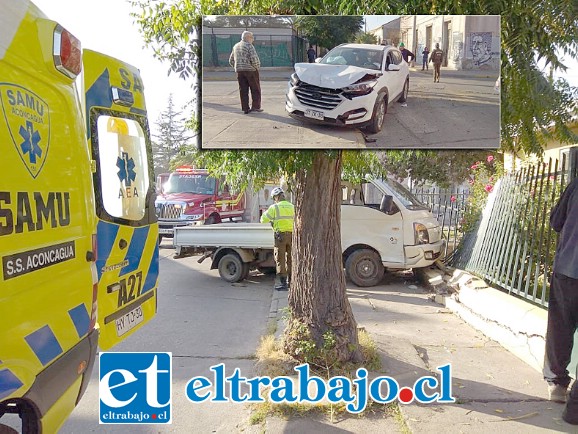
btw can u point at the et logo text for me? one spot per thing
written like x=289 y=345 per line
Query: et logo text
x=135 y=388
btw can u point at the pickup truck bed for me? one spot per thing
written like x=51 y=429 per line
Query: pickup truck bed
x=237 y=235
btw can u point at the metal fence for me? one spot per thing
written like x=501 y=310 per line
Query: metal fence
x=449 y=206
x=513 y=245
x=273 y=50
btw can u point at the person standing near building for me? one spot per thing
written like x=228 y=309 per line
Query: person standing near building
x=437 y=57
x=563 y=304
x=281 y=215
x=246 y=62
x=405 y=53
x=311 y=54
x=425 y=55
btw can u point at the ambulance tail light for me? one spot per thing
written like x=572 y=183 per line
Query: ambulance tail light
x=67 y=52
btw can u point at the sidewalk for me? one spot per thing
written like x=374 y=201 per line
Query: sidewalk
x=284 y=74
x=494 y=390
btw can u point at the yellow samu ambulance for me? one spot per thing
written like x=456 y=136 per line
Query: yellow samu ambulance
x=78 y=232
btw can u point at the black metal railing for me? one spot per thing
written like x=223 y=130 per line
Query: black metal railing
x=513 y=245
x=449 y=206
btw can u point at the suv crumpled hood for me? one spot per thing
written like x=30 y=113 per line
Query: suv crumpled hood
x=331 y=76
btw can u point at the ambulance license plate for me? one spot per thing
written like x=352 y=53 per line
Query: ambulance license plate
x=129 y=321
x=314 y=114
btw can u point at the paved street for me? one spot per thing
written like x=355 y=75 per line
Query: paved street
x=460 y=112
x=204 y=321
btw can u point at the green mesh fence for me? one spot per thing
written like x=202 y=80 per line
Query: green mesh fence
x=273 y=50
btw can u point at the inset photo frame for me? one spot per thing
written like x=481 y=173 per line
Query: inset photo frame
x=351 y=82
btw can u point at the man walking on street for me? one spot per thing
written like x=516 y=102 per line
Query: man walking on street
x=563 y=304
x=311 y=54
x=246 y=62
x=281 y=215
x=437 y=57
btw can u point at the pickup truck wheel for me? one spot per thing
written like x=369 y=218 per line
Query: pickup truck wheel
x=364 y=268
x=232 y=268
x=378 y=116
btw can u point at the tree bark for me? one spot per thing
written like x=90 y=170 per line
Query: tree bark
x=317 y=299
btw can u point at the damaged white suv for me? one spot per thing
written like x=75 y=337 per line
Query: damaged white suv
x=351 y=86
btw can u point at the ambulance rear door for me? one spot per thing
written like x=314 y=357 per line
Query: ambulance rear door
x=127 y=232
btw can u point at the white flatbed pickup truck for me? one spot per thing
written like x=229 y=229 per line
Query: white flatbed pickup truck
x=382 y=226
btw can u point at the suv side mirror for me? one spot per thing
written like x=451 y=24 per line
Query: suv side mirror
x=393 y=67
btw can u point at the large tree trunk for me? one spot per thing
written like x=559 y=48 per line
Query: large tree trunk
x=317 y=299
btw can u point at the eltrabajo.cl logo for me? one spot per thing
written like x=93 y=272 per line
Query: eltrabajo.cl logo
x=135 y=388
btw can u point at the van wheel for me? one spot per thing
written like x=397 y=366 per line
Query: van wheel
x=232 y=268
x=403 y=96
x=379 y=111
x=364 y=268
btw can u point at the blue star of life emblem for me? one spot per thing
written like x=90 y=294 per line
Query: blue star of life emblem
x=30 y=144
x=126 y=167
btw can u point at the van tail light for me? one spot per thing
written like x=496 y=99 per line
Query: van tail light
x=94 y=310
x=67 y=52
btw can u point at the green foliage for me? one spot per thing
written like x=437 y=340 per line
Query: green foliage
x=329 y=31
x=172 y=138
x=173 y=30
x=440 y=167
x=243 y=167
x=483 y=176
x=366 y=38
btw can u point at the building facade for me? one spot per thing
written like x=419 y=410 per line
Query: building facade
x=469 y=42
x=388 y=33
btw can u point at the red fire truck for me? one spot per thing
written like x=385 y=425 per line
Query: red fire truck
x=192 y=197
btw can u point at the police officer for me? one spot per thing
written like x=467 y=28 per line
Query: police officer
x=281 y=215
x=437 y=57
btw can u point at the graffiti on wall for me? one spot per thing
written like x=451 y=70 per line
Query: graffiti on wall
x=457 y=53
x=481 y=47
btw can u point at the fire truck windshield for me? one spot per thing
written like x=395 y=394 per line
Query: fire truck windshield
x=190 y=183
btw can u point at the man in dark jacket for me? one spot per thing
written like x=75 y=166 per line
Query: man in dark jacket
x=563 y=304
x=405 y=53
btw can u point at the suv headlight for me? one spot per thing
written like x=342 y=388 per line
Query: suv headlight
x=420 y=233
x=294 y=80
x=359 y=89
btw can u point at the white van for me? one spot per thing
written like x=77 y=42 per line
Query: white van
x=382 y=226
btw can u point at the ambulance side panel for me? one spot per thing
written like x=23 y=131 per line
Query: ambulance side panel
x=46 y=224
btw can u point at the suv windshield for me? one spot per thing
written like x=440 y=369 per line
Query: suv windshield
x=190 y=183
x=404 y=195
x=361 y=57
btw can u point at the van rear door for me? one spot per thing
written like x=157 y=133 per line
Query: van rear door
x=127 y=232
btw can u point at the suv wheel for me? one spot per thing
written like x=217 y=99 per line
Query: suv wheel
x=379 y=111
x=403 y=96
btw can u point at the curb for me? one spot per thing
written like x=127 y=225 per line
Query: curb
x=515 y=324
x=206 y=79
